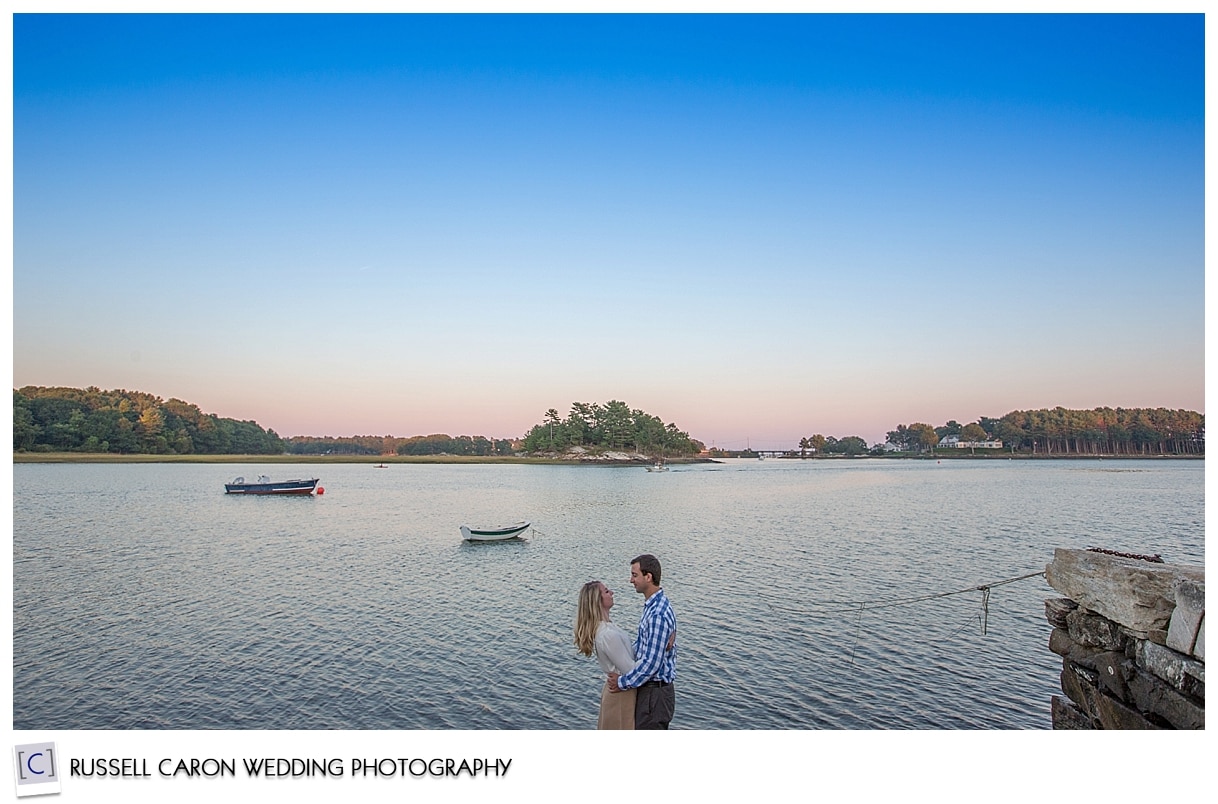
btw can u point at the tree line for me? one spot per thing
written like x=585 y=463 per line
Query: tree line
x=133 y=422
x=436 y=444
x=120 y=421
x=1061 y=431
x=129 y=422
x=612 y=426
x=830 y=445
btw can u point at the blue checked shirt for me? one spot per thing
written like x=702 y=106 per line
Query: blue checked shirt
x=656 y=624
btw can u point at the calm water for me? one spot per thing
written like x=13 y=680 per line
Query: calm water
x=145 y=598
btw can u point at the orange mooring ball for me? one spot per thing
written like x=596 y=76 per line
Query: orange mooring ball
x=320 y=491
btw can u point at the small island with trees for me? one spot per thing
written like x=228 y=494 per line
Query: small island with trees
x=615 y=427
x=78 y=422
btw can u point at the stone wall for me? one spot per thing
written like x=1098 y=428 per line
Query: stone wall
x=1131 y=634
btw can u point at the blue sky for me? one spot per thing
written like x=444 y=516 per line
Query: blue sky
x=759 y=227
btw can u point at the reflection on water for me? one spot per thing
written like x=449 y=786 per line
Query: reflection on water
x=146 y=598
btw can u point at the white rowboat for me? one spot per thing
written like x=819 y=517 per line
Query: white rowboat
x=494 y=534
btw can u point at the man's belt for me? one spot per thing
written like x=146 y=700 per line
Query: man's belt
x=655 y=683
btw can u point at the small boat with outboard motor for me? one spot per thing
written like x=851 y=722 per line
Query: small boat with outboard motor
x=264 y=485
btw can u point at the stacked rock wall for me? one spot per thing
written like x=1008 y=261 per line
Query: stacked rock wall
x=1131 y=634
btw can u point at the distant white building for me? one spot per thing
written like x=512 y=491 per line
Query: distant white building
x=953 y=441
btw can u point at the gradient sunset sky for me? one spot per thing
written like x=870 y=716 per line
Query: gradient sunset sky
x=756 y=227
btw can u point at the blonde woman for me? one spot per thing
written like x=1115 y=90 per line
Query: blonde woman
x=614 y=649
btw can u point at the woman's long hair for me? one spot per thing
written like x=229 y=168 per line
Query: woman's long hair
x=588 y=617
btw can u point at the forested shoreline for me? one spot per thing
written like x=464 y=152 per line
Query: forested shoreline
x=125 y=422
x=1061 y=431
x=120 y=422
x=435 y=444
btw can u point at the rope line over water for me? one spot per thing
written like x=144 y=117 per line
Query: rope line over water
x=860 y=606
x=851 y=606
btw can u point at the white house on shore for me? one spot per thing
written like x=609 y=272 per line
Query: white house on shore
x=948 y=442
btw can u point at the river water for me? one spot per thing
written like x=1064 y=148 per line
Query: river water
x=146 y=598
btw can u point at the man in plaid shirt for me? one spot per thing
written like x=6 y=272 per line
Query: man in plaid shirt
x=655 y=652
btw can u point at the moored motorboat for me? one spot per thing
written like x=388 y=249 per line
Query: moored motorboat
x=494 y=534
x=264 y=485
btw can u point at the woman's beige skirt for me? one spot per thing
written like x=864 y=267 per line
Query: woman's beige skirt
x=617 y=709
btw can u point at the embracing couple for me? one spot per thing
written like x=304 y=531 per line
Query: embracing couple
x=638 y=691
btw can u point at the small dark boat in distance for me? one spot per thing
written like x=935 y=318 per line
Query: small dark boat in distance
x=264 y=485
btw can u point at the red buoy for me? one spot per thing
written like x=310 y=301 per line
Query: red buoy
x=320 y=491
